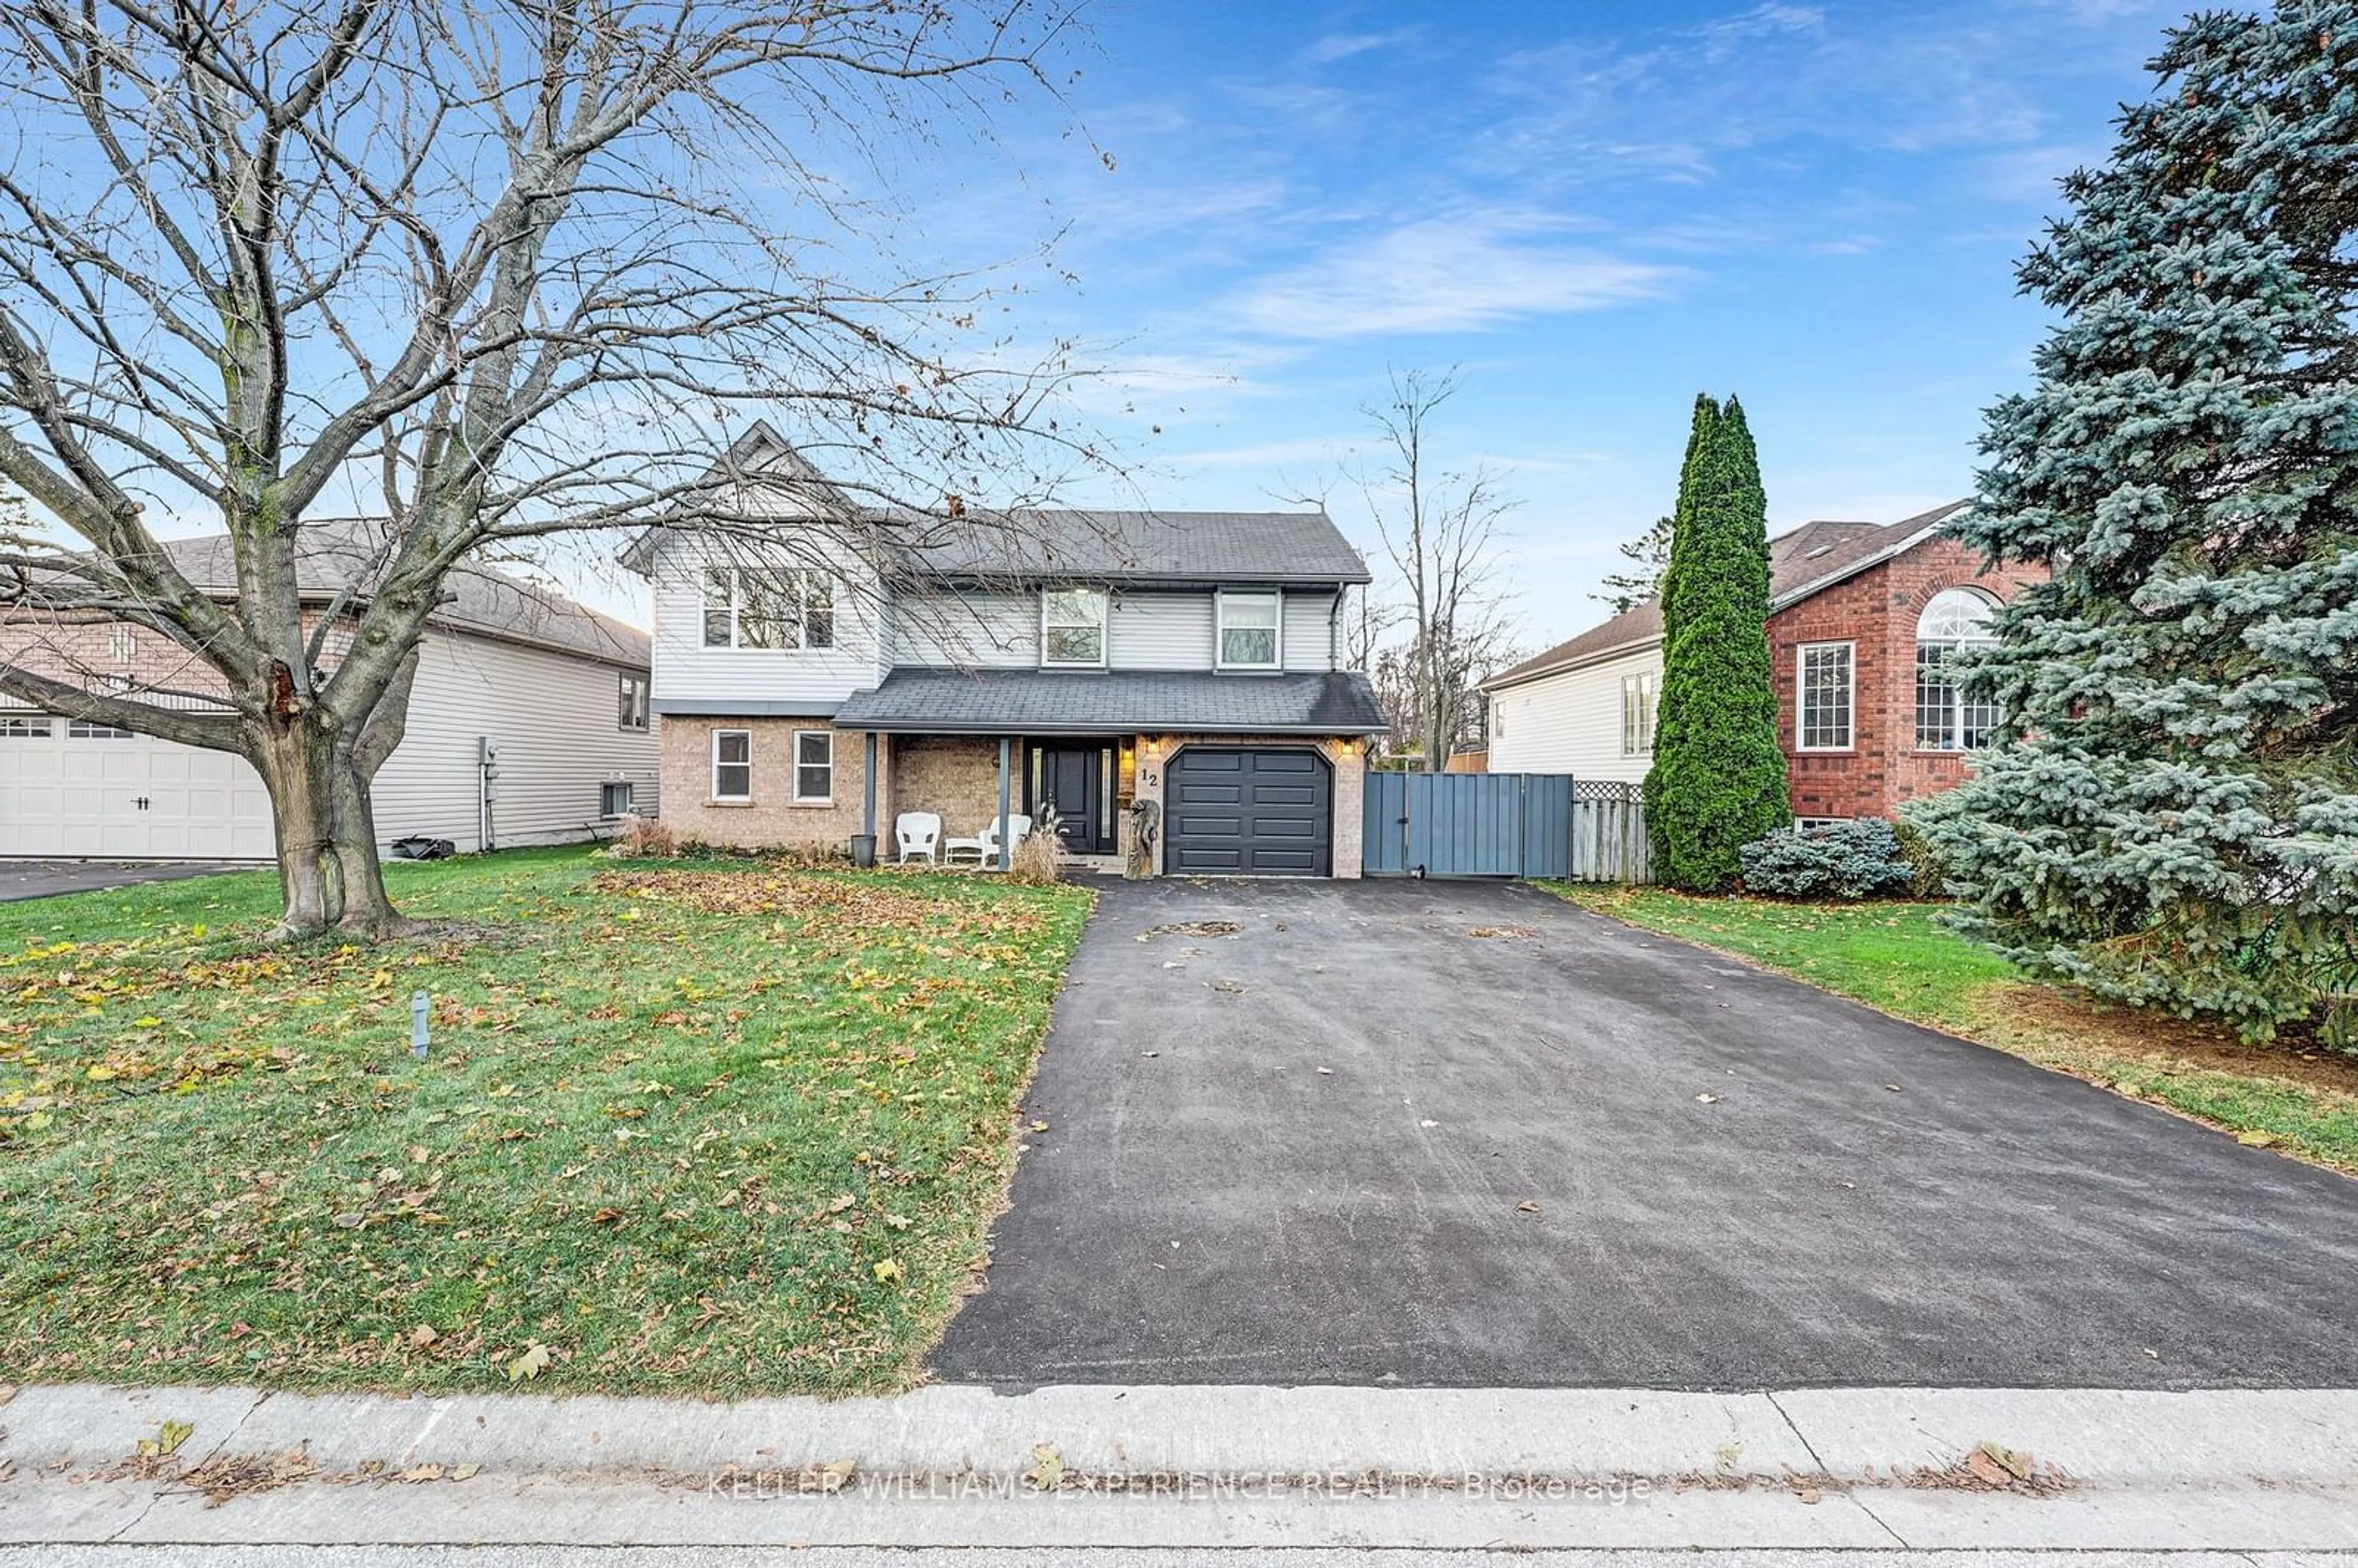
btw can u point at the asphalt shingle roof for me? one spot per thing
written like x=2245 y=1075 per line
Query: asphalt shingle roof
x=1136 y=546
x=1814 y=556
x=333 y=554
x=1048 y=701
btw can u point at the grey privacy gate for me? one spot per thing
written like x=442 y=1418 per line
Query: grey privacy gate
x=1468 y=825
x=1503 y=825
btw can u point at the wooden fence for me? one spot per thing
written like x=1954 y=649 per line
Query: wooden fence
x=1609 y=833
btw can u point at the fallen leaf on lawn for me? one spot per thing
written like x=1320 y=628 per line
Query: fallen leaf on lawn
x=530 y=1365
x=840 y=1202
x=2256 y=1139
x=423 y=1336
x=889 y=1273
x=606 y=1217
x=897 y=1221
x=1047 y=1472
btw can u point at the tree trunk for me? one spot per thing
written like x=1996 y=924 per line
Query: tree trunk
x=368 y=911
x=297 y=762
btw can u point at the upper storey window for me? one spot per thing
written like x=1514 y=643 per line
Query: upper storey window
x=746 y=608
x=1073 y=626
x=1248 y=631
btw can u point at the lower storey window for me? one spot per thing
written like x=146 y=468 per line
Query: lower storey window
x=1812 y=824
x=1947 y=720
x=814 y=766
x=732 y=765
x=1825 y=688
x=25 y=727
x=614 y=799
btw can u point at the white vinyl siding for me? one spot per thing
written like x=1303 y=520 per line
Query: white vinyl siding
x=686 y=670
x=1158 y=630
x=942 y=630
x=554 y=718
x=1571 y=722
x=1310 y=631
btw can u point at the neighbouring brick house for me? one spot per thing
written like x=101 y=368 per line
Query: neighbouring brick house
x=833 y=667
x=1862 y=619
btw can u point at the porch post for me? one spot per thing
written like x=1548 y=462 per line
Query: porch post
x=868 y=778
x=1006 y=850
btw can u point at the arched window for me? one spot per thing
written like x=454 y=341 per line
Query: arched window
x=1946 y=719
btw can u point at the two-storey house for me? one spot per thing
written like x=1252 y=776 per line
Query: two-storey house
x=842 y=666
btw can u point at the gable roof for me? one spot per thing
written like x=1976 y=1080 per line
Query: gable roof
x=1809 y=559
x=1137 y=548
x=333 y=554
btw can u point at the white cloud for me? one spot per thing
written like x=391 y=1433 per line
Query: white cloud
x=1444 y=274
x=1343 y=45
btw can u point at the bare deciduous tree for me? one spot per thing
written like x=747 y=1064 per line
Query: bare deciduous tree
x=502 y=268
x=1441 y=531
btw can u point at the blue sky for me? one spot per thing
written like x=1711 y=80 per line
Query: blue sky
x=1595 y=210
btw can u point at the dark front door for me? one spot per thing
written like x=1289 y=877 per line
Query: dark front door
x=1078 y=782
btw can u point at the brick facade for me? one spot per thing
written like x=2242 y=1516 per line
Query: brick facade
x=953 y=776
x=1877 y=611
x=773 y=817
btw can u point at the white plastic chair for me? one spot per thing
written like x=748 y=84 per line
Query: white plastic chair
x=984 y=845
x=917 y=833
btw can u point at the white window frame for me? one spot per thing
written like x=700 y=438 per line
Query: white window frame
x=808 y=594
x=1275 y=599
x=96 y=730
x=1638 y=723
x=1817 y=824
x=631 y=698
x=795 y=759
x=628 y=801
x=28 y=726
x=716 y=796
x=1049 y=628
x=1954 y=702
x=1802 y=695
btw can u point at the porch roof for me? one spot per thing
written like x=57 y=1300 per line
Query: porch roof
x=991 y=702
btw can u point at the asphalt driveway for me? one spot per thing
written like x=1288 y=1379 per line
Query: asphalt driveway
x=1468 y=1135
x=47 y=878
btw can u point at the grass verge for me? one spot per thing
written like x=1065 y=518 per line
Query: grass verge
x=1896 y=957
x=719 y=1129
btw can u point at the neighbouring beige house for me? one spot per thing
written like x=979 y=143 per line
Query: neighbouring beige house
x=852 y=665
x=557 y=691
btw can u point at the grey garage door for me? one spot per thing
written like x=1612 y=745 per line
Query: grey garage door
x=1240 y=811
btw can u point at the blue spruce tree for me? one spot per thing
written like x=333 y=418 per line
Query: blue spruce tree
x=2170 y=817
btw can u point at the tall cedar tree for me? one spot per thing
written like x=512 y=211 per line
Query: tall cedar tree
x=2170 y=817
x=1718 y=778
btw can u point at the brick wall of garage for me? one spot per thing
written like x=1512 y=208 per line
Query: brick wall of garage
x=1877 y=611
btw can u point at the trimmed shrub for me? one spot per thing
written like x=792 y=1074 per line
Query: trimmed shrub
x=1844 y=860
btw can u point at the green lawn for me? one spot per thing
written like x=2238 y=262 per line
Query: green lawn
x=1896 y=956
x=721 y=1129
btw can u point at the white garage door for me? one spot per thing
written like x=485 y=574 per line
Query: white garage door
x=72 y=790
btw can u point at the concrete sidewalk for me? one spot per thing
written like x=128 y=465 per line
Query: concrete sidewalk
x=1194 y=1468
